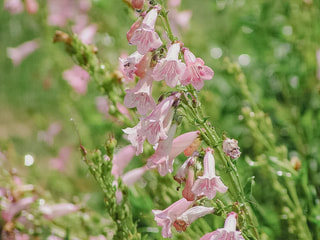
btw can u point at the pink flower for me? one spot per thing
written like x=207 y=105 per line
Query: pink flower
x=183 y=170
x=78 y=78
x=145 y=36
x=121 y=160
x=160 y=158
x=13 y=6
x=174 y=3
x=14 y=208
x=59 y=163
x=129 y=64
x=132 y=176
x=137 y=4
x=167 y=217
x=86 y=35
x=20 y=236
x=32 y=6
x=48 y=135
x=187 y=192
x=231 y=148
x=183 y=142
x=209 y=183
x=21 y=52
x=136 y=137
x=226 y=233
x=140 y=96
x=196 y=72
x=133 y=28
x=170 y=68
x=123 y=110
x=53 y=211
x=103 y=105
x=189 y=216
x=157 y=124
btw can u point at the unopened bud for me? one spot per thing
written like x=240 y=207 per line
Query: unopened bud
x=60 y=36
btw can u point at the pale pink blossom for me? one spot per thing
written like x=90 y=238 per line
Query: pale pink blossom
x=189 y=216
x=60 y=11
x=196 y=72
x=78 y=78
x=53 y=237
x=123 y=110
x=179 y=20
x=48 y=135
x=57 y=210
x=156 y=125
x=140 y=96
x=129 y=64
x=21 y=236
x=132 y=176
x=167 y=217
x=86 y=35
x=183 y=170
x=209 y=183
x=137 y=4
x=136 y=137
x=121 y=159
x=187 y=192
x=32 y=6
x=227 y=232
x=183 y=142
x=13 y=6
x=81 y=21
x=145 y=37
x=231 y=148
x=16 y=207
x=170 y=68
x=133 y=28
x=59 y=163
x=22 y=51
x=102 y=104
x=174 y=3
x=160 y=159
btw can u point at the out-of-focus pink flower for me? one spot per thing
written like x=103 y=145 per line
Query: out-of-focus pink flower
x=227 y=232
x=167 y=217
x=16 y=207
x=196 y=72
x=187 y=192
x=123 y=110
x=86 y=35
x=189 y=216
x=32 y=6
x=132 y=176
x=231 y=148
x=53 y=237
x=100 y=237
x=59 y=12
x=53 y=211
x=59 y=163
x=121 y=160
x=160 y=159
x=137 y=4
x=179 y=20
x=170 y=68
x=140 y=96
x=3 y=158
x=129 y=64
x=157 y=124
x=84 y=5
x=21 y=236
x=174 y=3
x=103 y=105
x=48 y=136
x=13 y=6
x=21 y=52
x=145 y=36
x=78 y=78
x=209 y=183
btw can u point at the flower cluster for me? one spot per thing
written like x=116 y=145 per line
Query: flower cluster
x=175 y=64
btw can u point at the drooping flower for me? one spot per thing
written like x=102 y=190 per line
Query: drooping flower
x=167 y=217
x=145 y=37
x=231 y=148
x=209 y=183
x=18 y=54
x=189 y=216
x=140 y=96
x=58 y=210
x=121 y=160
x=78 y=78
x=227 y=232
x=160 y=159
x=170 y=68
x=196 y=72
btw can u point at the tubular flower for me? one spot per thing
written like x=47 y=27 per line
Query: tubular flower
x=167 y=217
x=145 y=36
x=129 y=64
x=129 y=178
x=189 y=216
x=170 y=68
x=58 y=210
x=16 y=207
x=156 y=125
x=183 y=142
x=231 y=148
x=209 y=183
x=121 y=160
x=160 y=158
x=227 y=232
x=183 y=170
x=196 y=72
x=140 y=96
x=78 y=78
x=187 y=192
x=136 y=137
x=18 y=54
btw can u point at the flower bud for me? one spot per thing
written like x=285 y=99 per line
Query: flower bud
x=231 y=148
